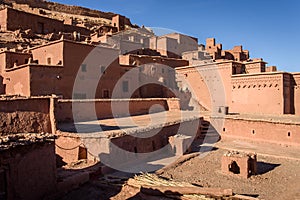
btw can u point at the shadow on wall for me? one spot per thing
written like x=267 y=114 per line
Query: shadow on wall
x=2 y=86
x=263 y=168
x=89 y=128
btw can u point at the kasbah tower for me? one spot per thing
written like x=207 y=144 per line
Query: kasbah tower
x=87 y=97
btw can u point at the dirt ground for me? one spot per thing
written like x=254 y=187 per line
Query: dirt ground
x=278 y=176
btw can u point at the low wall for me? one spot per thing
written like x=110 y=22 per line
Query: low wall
x=29 y=171
x=25 y=115
x=100 y=146
x=261 y=130
x=86 y=108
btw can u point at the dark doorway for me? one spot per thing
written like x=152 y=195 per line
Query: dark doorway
x=234 y=168
x=41 y=28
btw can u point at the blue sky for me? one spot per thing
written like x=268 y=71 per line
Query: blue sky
x=269 y=29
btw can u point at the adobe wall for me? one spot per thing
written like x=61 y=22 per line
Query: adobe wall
x=30 y=171
x=67 y=148
x=46 y=53
x=22 y=115
x=120 y=149
x=46 y=80
x=16 y=85
x=255 y=67
x=75 y=55
x=261 y=130
x=71 y=29
x=205 y=79
x=16 y=59
x=296 y=88
x=3 y=20
x=260 y=93
x=103 y=108
x=22 y=20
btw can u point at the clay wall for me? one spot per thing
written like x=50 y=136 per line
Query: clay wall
x=103 y=108
x=71 y=28
x=205 y=80
x=255 y=67
x=17 y=81
x=49 y=54
x=157 y=141
x=271 y=69
x=2 y=63
x=86 y=70
x=10 y=59
x=38 y=24
x=3 y=20
x=25 y=115
x=255 y=129
x=261 y=93
x=46 y=80
x=30 y=171
x=296 y=90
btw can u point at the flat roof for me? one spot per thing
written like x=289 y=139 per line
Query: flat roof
x=70 y=41
x=33 y=65
x=259 y=74
x=277 y=119
x=134 y=124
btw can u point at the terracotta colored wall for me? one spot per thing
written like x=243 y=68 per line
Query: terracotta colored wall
x=261 y=130
x=53 y=51
x=46 y=80
x=15 y=57
x=68 y=144
x=18 y=19
x=262 y=93
x=75 y=55
x=103 y=108
x=17 y=81
x=255 y=67
x=3 y=20
x=71 y=29
x=2 y=63
x=205 y=80
x=67 y=148
x=30 y=171
x=25 y=116
x=297 y=93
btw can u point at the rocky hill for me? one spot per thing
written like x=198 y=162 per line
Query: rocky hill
x=57 y=7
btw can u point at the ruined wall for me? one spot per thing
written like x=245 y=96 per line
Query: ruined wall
x=76 y=10
x=71 y=29
x=22 y=20
x=21 y=115
x=103 y=108
x=263 y=93
x=16 y=59
x=263 y=130
x=30 y=171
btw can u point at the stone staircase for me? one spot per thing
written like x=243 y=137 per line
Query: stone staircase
x=208 y=132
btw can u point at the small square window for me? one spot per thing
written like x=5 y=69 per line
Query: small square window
x=49 y=61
